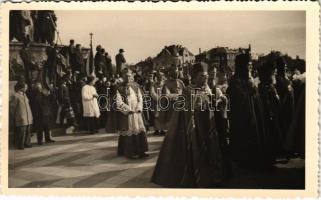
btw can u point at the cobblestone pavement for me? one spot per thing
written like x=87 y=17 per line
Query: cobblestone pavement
x=86 y=161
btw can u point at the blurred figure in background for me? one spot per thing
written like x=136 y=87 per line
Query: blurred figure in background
x=286 y=96
x=147 y=114
x=79 y=64
x=155 y=92
x=295 y=140
x=246 y=118
x=42 y=114
x=172 y=89
x=272 y=143
x=112 y=124
x=66 y=115
x=108 y=70
x=98 y=58
x=101 y=88
x=72 y=52
x=120 y=61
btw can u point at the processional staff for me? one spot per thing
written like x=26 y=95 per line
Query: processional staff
x=91 y=40
x=91 y=59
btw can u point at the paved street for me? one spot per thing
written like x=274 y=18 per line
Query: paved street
x=83 y=161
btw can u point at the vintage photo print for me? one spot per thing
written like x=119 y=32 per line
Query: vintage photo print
x=185 y=99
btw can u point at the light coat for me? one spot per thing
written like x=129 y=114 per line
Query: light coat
x=20 y=109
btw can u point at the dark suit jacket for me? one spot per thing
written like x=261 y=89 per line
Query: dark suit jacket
x=120 y=59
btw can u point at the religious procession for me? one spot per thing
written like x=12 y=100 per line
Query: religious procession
x=210 y=116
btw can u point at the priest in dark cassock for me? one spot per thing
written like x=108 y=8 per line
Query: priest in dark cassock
x=286 y=95
x=132 y=141
x=190 y=155
x=246 y=119
x=295 y=140
x=271 y=107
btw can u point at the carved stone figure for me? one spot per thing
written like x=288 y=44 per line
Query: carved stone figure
x=29 y=28
x=45 y=26
x=34 y=26
x=17 y=25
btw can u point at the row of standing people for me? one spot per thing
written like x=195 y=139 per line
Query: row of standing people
x=64 y=73
x=262 y=123
x=30 y=113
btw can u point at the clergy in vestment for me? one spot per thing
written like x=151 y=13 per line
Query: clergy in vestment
x=91 y=110
x=286 y=94
x=190 y=155
x=245 y=116
x=155 y=92
x=271 y=109
x=132 y=141
x=173 y=88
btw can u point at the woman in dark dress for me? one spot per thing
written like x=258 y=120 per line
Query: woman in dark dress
x=190 y=155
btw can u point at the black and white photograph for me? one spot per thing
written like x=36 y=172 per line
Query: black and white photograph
x=195 y=99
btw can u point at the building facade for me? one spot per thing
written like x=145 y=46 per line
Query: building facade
x=174 y=55
x=223 y=59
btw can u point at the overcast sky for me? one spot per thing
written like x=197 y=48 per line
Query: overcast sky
x=145 y=33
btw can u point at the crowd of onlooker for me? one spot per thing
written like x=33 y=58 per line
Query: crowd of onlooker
x=60 y=96
x=55 y=97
